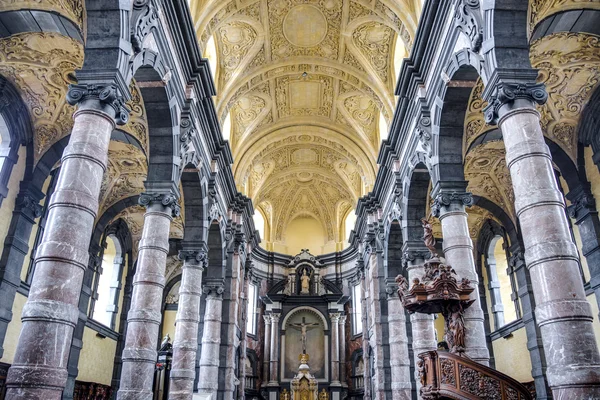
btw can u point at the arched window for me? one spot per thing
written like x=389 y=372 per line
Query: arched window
x=107 y=283
x=500 y=284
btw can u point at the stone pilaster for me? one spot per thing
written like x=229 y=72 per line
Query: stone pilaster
x=422 y=326
x=342 y=341
x=399 y=356
x=144 y=318
x=583 y=210
x=449 y=207
x=211 y=338
x=16 y=247
x=185 y=345
x=39 y=369
x=335 y=349
x=266 y=350
x=366 y=346
x=274 y=358
x=562 y=311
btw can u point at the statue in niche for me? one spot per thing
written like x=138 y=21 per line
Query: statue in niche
x=285 y=395
x=303 y=328
x=305 y=283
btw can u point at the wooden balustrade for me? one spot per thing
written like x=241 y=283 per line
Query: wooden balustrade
x=448 y=376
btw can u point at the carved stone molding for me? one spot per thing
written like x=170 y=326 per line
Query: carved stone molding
x=469 y=20
x=167 y=200
x=31 y=204
x=445 y=199
x=106 y=95
x=214 y=289
x=509 y=92
x=199 y=256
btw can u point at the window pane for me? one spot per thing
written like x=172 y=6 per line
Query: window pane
x=357 y=306
x=251 y=310
x=104 y=303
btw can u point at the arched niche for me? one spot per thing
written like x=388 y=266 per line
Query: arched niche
x=317 y=343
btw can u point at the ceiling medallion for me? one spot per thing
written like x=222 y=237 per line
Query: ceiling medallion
x=305 y=26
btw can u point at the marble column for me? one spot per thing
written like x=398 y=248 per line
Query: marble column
x=266 y=350
x=39 y=369
x=144 y=318
x=365 y=334
x=211 y=338
x=185 y=345
x=562 y=311
x=449 y=207
x=274 y=370
x=422 y=325
x=342 y=328
x=335 y=349
x=399 y=356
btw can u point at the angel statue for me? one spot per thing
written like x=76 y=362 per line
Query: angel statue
x=428 y=237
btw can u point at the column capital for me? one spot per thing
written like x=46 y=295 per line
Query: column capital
x=275 y=317
x=214 y=289
x=342 y=319
x=31 y=204
x=582 y=202
x=506 y=93
x=409 y=256
x=166 y=199
x=446 y=199
x=194 y=256
x=105 y=98
x=267 y=318
x=335 y=317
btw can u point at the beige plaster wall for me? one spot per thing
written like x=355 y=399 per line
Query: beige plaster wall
x=512 y=356
x=97 y=358
x=169 y=323
x=14 y=329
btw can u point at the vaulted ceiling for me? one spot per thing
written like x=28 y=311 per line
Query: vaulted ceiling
x=305 y=93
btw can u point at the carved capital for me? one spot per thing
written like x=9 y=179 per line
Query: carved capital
x=29 y=203
x=445 y=199
x=342 y=320
x=186 y=131
x=198 y=256
x=275 y=318
x=105 y=95
x=581 y=204
x=167 y=200
x=335 y=317
x=409 y=256
x=506 y=93
x=214 y=289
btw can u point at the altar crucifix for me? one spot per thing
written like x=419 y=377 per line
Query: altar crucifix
x=303 y=328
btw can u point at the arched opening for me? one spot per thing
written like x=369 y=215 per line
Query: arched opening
x=260 y=224
x=394 y=250
x=210 y=53
x=349 y=224
x=107 y=282
x=215 y=252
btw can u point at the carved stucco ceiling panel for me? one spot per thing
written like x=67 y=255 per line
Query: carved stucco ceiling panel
x=475 y=124
x=137 y=125
x=39 y=64
x=489 y=177
x=291 y=68
x=569 y=65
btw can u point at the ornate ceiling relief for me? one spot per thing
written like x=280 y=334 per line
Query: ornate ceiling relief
x=542 y=9
x=569 y=65
x=488 y=175
x=40 y=64
x=475 y=124
x=125 y=174
x=304 y=84
x=137 y=125
x=71 y=9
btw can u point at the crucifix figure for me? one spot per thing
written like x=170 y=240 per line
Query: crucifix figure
x=303 y=328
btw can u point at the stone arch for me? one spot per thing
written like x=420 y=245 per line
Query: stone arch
x=158 y=93
x=216 y=250
x=415 y=202
x=312 y=310
x=449 y=121
x=196 y=200
x=394 y=248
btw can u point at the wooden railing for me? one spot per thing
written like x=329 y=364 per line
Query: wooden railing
x=448 y=376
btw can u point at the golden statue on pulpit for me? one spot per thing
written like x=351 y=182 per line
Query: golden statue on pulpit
x=285 y=395
x=323 y=395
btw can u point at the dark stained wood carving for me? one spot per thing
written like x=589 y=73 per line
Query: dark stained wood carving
x=449 y=376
